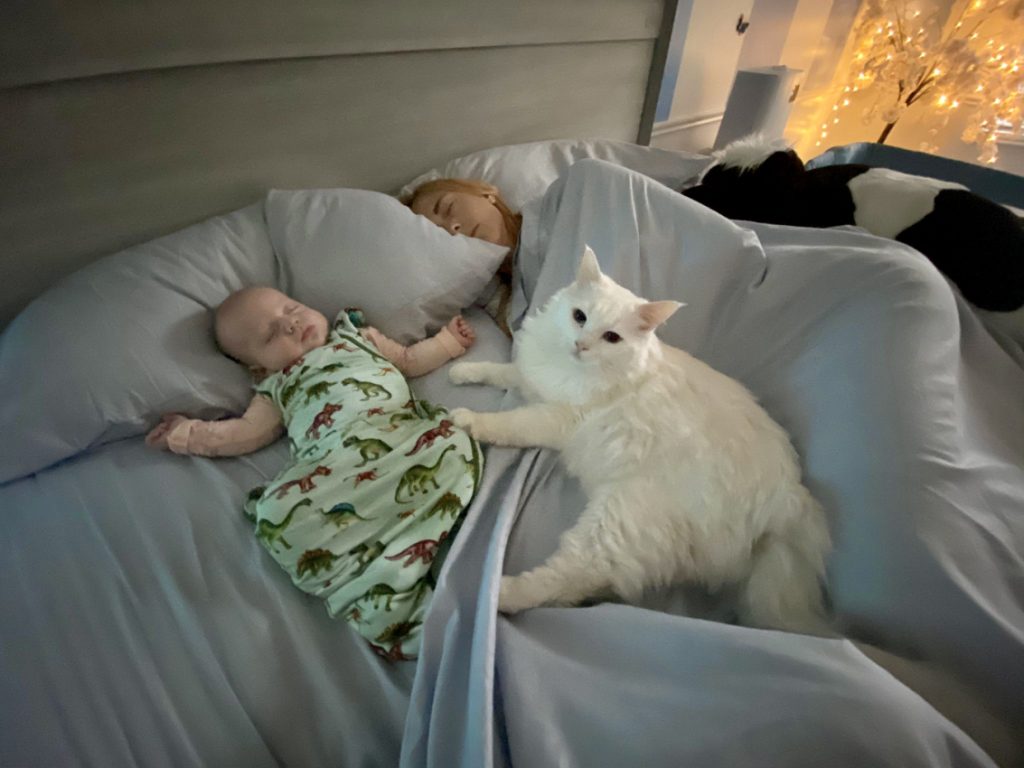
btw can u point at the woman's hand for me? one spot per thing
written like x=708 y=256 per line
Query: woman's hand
x=157 y=437
x=460 y=328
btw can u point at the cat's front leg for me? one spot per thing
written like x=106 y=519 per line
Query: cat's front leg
x=544 y=425
x=562 y=580
x=503 y=375
x=593 y=560
x=514 y=595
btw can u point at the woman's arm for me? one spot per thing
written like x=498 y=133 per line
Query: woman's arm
x=260 y=425
x=429 y=354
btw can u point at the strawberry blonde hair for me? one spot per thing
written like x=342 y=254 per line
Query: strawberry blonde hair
x=513 y=223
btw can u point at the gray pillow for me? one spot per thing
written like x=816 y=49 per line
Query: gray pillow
x=105 y=351
x=352 y=247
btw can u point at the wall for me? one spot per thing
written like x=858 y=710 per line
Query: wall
x=809 y=35
x=703 y=56
x=707 y=50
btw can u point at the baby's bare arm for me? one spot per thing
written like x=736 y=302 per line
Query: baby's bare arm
x=260 y=425
x=429 y=354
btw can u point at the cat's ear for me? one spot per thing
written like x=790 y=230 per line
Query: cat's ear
x=654 y=313
x=589 y=271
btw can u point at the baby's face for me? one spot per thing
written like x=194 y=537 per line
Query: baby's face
x=263 y=327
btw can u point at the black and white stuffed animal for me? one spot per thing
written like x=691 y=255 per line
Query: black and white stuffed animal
x=977 y=244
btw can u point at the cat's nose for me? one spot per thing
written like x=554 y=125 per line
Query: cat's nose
x=581 y=347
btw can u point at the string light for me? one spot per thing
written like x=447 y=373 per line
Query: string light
x=944 y=60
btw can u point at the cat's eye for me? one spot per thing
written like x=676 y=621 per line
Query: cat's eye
x=612 y=337
x=578 y=316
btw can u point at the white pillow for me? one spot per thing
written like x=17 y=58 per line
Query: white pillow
x=105 y=351
x=352 y=247
x=522 y=172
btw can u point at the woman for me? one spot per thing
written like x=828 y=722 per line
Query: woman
x=475 y=209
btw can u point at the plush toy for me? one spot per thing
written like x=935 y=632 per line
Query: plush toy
x=356 y=316
x=977 y=244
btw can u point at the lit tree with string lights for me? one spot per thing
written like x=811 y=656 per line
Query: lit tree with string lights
x=904 y=55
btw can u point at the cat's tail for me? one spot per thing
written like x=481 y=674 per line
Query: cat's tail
x=784 y=588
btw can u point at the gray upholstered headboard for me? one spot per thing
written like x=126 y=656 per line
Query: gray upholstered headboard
x=123 y=121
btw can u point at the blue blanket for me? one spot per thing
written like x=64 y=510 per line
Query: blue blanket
x=909 y=420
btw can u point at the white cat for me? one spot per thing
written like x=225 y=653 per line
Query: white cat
x=687 y=478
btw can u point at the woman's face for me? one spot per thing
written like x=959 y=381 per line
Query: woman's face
x=463 y=213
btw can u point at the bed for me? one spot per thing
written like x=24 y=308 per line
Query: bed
x=143 y=623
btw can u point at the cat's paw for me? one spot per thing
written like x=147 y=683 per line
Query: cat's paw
x=464 y=373
x=464 y=419
x=513 y=595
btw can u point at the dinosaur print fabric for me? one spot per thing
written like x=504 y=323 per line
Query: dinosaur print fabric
x=377 y=482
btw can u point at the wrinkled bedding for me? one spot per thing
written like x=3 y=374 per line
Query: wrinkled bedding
x=143 y=623
x=910 y=423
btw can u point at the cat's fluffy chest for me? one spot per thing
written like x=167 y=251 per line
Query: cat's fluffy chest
x=659 y=424
x=634 y=432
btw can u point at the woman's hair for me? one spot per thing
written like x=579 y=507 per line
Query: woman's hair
x=513 y=223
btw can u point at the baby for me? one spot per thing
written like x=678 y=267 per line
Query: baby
x=377 y=480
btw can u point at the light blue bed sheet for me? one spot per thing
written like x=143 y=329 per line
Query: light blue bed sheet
x=910 y=422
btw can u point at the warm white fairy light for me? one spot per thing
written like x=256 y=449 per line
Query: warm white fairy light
x=899 y=66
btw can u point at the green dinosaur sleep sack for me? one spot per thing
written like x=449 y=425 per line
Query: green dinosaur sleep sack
x=377 y=482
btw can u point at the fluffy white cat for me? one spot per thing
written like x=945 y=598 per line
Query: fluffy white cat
x=687 y=478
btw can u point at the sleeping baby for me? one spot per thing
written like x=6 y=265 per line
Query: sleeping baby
x=377 y=480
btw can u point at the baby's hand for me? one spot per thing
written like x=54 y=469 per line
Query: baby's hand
x=460 y=328
x=157 y=437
